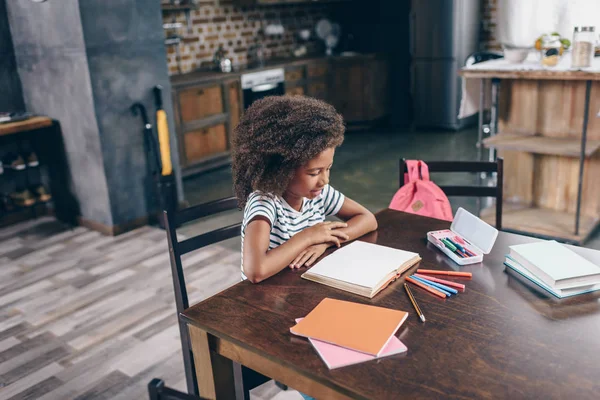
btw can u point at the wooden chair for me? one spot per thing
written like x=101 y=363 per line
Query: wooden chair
x=468 y=191
x=158 y=391
x=247 y=378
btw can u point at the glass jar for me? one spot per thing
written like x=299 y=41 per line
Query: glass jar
x=551 y=51
x=584 y=39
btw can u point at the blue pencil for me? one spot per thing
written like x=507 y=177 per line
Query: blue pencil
x=438 y=285
x=431 y=284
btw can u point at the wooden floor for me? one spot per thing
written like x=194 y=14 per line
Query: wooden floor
x=71 y=302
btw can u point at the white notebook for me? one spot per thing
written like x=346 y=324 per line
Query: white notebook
x=362 y=268
x=556 y=265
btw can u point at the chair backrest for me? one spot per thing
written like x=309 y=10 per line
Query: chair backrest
x=178 y=248
x=481 y=56
x=468 y=191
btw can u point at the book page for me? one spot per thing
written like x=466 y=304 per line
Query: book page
x=361 y=263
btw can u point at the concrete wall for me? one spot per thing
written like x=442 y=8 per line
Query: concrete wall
x=125 y=48
x=84 y=62
x=52 y=63
x=11 y=94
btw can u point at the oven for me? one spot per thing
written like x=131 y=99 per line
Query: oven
x=257 y=85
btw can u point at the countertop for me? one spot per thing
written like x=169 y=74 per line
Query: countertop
x=205 y=75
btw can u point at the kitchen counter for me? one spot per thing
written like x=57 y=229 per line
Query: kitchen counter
x=206 y=75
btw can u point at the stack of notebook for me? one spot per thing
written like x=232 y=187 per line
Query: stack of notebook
x=562 y=270
x=345 y=333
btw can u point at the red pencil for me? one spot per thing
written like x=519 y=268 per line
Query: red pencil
x=449 y=273
x=425 y=287
x=442 y=281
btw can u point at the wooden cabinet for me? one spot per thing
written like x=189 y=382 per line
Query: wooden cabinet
x=360 y=88
x=205 y=142
x=205 y=116
x=294 y=90
x=200 y=102
x=208 y=106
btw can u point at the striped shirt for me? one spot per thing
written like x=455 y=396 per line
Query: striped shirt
x=285 y=221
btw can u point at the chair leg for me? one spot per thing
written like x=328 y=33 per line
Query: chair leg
x=188 y=360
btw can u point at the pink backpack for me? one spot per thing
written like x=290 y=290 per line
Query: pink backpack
x=421 y=196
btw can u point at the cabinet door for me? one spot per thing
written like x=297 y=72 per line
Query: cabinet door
x=294 y=74
x=317 y=89
x=317 y=70
x=294 y=90
x=235 y=104
x=200 y=102
x=347 y=90
x=204 y=142
x=376 y=90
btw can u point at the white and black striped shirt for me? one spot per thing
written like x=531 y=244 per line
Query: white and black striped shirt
x=285 y=221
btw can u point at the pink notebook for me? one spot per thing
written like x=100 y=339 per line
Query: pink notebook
x=336 y=356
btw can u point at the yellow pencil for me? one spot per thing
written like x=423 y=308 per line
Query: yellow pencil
x=414 y=303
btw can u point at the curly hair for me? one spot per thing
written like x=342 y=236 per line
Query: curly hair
x=276 y=135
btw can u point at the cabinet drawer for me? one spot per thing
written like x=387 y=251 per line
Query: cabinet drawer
x=317 y=70
x=295 y=74
x=200 y=102
x=294 y=91
x=204 y=142
x=317 y=90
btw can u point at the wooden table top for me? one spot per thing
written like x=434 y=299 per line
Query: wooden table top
x=25 y=125
x=498 y=339
x=547 y=74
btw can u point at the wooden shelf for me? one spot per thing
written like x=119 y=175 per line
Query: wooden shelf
x=542 y=144
x=541 y=222
x=29 y=124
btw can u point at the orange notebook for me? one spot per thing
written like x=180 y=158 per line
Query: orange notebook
x=354 y=326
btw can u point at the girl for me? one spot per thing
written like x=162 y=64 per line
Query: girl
x=283 y=151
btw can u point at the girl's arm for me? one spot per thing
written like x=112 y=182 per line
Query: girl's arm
x=360 y=221
x=260 y=263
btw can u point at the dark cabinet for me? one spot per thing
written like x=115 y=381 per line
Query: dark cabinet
x=359 y=88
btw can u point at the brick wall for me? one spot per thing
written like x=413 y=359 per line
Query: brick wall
x=488 y=26
x=221 y=22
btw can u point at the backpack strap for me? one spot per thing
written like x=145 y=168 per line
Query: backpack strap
x=423 y=171
x=412 y=166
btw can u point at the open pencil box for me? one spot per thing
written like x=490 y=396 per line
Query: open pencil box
x=467 y=240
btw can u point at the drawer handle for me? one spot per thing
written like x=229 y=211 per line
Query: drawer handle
x=200 y=92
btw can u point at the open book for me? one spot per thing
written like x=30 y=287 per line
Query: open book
x=361 y=268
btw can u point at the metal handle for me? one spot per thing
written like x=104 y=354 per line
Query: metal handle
x=264 y=87
x=200 y=92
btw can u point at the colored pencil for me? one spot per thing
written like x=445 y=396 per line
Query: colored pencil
x=434 y=285
x=414 y=303
x=425 y=287
x=449 y=273
x=442 y=281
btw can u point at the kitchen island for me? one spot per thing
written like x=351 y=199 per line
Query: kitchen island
x=546 y=126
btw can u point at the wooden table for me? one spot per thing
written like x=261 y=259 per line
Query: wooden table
x=498 y=339
x=544 y=125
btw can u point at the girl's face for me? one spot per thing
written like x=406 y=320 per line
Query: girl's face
x=310 y=178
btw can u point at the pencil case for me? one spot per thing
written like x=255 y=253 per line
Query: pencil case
x=467 y=240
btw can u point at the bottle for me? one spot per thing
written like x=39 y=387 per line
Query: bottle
x=551 y=50
x=583 y=46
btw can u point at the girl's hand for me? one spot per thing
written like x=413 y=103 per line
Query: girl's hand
x=309 y=256
x=326 y=232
